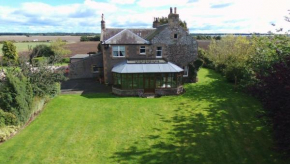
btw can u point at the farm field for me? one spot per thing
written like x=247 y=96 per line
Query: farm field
x=75 y=48
x=203 y=44
x=210 y=123
x=71 y=39
x=21 y=47
x=82 y=47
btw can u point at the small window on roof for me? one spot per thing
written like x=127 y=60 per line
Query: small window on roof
x=142 y=50
x=175 y=36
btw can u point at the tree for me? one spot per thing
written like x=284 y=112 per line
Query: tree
x=9 y=52
x=59 y=50
x=230 y=56
x=41 y=50
x=16 y=95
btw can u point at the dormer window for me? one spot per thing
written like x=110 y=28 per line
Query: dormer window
x=175 y=36
x=159 y=52
x=142 y=50
x=119 y=51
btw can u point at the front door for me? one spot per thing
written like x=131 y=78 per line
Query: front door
x=149 y=83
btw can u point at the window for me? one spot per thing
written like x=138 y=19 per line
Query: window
x=175 y=36
x=159 y=52
x=119 y=51
x=185 y=68
x=142 y=50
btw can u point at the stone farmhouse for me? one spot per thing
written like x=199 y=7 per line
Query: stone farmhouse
x=148 y=60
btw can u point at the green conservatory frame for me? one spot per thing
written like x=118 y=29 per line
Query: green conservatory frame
x=147 y=81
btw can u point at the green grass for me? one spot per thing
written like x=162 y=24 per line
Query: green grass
x=24 y=46
x=210 y=123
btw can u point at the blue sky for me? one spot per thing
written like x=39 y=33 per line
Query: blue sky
x=202 y=16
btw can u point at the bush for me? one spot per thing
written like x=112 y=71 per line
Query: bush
x=5 y=132
x=7 y=118
x=273 y=89
x=88 y=38
x=41 y=50
x=16 y=96
x=10 y=55
x=66 y=60
x=39 y=61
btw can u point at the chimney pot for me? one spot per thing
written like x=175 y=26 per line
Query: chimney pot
x=170 y=10
x=174 y=10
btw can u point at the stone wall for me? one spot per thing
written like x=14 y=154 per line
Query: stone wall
x=120 y=92
x=169 y=91
x=181 y=50
x=161 y=92
x=83 y=68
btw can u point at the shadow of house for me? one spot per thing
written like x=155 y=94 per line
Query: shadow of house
x=219 y=127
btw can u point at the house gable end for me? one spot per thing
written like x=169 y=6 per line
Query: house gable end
x=126 y=37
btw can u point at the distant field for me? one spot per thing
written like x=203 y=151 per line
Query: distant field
x=20 y=47
x=71 y=39
x=203 y=44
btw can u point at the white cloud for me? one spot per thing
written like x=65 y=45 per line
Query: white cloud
x=160 y=3
x=122 y=1
x=239 y=16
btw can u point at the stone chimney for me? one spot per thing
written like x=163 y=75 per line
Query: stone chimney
x=103 y=23
x=173 y=18
x=156 y=22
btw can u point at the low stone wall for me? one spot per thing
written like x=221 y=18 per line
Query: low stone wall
x=169 y=91
x=161 y=92
x=120 y=92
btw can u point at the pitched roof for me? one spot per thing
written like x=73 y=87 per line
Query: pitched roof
x=126 y=37
x=156 y=32
x=110 y=32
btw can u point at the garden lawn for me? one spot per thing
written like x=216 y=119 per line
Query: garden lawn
x=210 y=123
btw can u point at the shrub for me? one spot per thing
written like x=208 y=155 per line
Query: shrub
x=5 y=132
x=9 y=52
x=273 y=90
x=39 y=61
x=16 y=96
x=41 y=50
x=66 y=60
x=7 y=118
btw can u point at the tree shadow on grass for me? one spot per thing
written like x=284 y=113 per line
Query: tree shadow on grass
x=211 y=124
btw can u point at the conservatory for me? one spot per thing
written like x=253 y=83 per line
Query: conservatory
x=158 y=77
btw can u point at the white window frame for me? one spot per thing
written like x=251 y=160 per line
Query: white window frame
x=118 y=50
x=158 y=51
x=143 y=48
x=185 y=74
